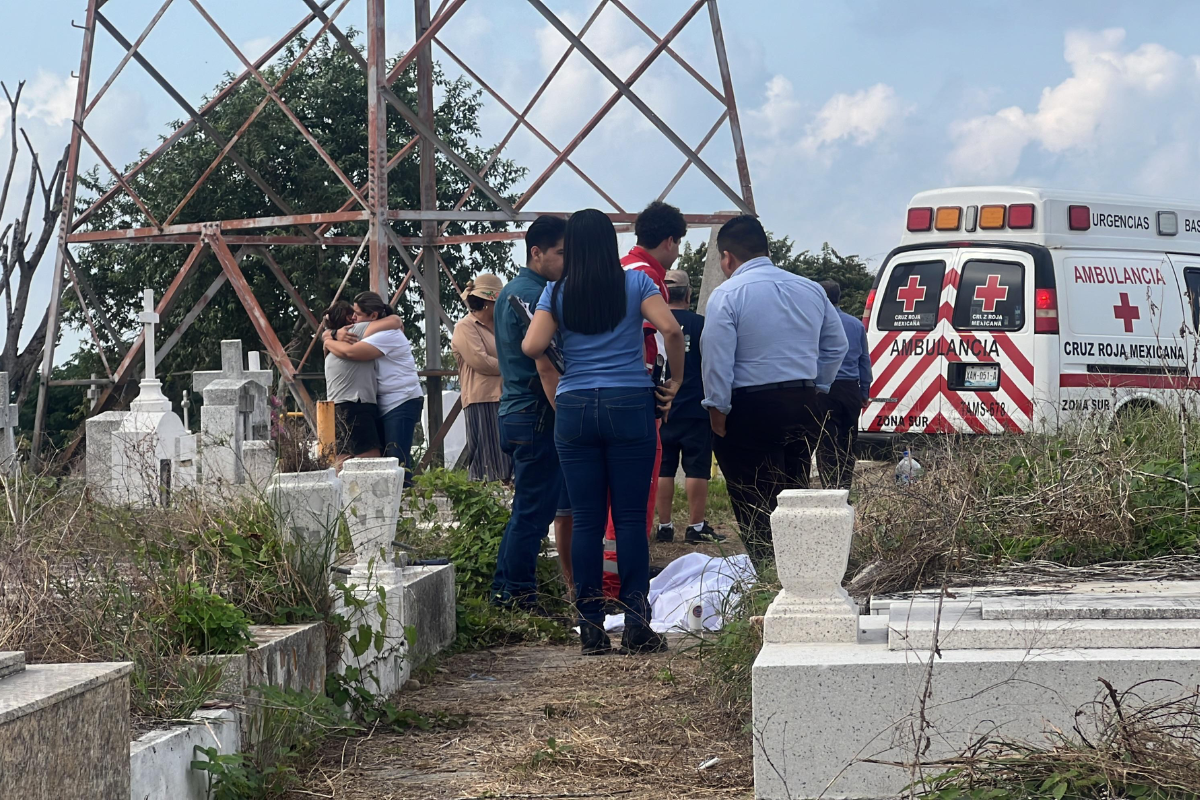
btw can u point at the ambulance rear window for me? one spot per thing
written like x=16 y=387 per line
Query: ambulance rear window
x=910 y=302
x=991 y=297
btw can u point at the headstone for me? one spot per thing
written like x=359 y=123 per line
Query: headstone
x=812 y=531
x=372 y=495
x=98 y=459
x=258 y=460
x=147 y=454
x=235 y=411
x=307 y=506
x=713 y=276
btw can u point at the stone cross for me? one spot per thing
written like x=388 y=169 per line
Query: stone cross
x=149 y=319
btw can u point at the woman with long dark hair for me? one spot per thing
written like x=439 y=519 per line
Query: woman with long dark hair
x=604 y=428
x=398 y=388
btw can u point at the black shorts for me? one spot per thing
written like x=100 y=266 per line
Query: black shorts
x=357 y=427
x=692 y=438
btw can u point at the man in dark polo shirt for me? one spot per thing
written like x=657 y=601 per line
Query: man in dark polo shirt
x=686 y=434
x=527 y=428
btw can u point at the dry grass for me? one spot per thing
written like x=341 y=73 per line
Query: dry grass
x=1081 y=497
x=545 y=722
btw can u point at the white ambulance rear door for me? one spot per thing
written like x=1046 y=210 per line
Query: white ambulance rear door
x=1124 y=337
x=906 y=324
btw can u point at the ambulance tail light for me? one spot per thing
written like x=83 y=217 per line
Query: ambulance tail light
x=1020 y=216
x=1045 y=311
x=920 y=219
x=867 y=310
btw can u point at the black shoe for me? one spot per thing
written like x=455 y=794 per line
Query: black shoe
x=595 y=640
x=666 y=533
x=705 y=535
x=641 y=641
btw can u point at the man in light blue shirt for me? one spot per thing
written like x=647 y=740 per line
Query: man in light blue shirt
x=771 y=341
x=841 y=407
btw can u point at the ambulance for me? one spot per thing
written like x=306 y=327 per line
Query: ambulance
x=1009 y=310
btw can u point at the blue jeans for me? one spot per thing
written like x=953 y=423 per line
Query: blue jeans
x=527 y=436
x=606 y=442
x=396 y=431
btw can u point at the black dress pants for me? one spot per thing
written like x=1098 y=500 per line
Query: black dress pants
x=766 y=435
x=839 y=412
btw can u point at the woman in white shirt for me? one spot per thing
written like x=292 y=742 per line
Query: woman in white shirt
x=398 y=387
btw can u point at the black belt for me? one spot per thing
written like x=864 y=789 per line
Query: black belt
x=766 y=387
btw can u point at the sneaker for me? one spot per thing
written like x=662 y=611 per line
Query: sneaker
x=641 y=641
x=705 y=535
x=595 y=640
x=666 y=533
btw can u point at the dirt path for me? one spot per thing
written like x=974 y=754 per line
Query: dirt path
x=544 y=722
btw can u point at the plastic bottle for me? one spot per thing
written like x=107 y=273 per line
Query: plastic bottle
x=908 y=470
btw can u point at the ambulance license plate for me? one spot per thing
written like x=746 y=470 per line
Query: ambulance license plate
x=985 y=376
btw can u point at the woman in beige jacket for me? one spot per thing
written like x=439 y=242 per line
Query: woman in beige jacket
x=474 y=346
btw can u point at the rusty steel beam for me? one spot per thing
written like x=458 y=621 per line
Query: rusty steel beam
x=423 y=40
x=646 y=29
x=297 y=220
x=258 y=318
x=699 y=148
x=435 y=444
x=262 y=105
x=97 y=306
x=192 y=314
x=735 y=123
x=187 y=126
x=128 y=366
x=377 y=154
x=609 y=105
x=424 y=129
x=524 y=121
x=87 y=316
x=287 y=111
x=287 y=285
x=392 y=162
x=637 y=102
x=204 y=124
x=87 y=112
x=70 y=188
x=529 y=107
x=120 y=178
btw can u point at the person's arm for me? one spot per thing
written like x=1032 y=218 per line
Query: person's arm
x=540 y=334
x=359 y=351
x=389 y=323
x=718 y=343
x=832 y=348
x=473 y=349
x=864 y=368
x=549 y=377
x=658 y=314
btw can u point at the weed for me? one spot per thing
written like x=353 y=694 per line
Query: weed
x=553 y=752
x=205 y=622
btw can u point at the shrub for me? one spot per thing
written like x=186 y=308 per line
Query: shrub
x=208 y=623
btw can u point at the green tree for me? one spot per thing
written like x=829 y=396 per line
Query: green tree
x=328 y=93
x=849 y=271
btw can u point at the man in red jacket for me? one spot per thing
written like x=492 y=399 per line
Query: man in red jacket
x=660 y=229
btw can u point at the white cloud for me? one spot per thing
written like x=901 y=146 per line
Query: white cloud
x=1107 y=83
x=861 y=116
x=49 y=98
x=254 y=48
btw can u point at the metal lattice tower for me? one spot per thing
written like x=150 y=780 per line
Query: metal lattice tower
x=229 y=239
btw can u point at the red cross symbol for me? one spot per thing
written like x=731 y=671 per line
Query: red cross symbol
x=1126 y=313
x=991 y=293
x=911 y=294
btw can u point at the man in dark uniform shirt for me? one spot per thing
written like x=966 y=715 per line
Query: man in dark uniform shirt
x=686 y=433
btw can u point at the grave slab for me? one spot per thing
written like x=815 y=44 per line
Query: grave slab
x=963 y=627
x=44 y=751
x=1079 y=606
x=429 y=607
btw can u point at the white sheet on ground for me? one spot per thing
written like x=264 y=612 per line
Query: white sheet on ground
x=714 y=583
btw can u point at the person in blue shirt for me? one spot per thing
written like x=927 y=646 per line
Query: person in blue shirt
x=526 y=420
x=847 y=397
x=771 y=342
x=605 y=425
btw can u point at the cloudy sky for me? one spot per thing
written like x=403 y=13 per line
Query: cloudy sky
x=848 y=108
